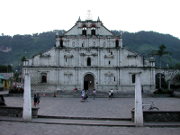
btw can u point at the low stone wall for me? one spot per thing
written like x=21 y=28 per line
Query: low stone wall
x=160 y=116
x=12 y=111
x=176 y=93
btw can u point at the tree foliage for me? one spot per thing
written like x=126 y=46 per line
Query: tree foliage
x=161 y=51
x=5 y=68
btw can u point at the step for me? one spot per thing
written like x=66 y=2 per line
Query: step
x=90 y=122
x=83 y=118
x=84 y=122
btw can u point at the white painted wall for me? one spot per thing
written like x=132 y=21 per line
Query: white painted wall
x=111 y=67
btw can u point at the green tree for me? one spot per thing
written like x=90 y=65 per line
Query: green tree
x=23 y=59
x=160 y=53
x=5 y=68
x=177 y=66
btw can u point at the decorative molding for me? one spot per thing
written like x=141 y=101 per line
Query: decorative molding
x=68 y=56
x=67 y=73
x=94 y=54
x=82 y=54
x=109 y=74
x=91 y=54
x=135 y=72
x=109 y=56
x=45 y=55
x=42 y=71
x=132 y=56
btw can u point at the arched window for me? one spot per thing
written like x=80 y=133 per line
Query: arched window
x=160 y=80
x=43 y=78
x=133 y=78
x=93 y=31
x=88 y=61
x=117 y=43
x=61 y=43
x=84 y=31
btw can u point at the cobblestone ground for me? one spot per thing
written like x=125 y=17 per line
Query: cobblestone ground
x=100 y=107
x=16 y=128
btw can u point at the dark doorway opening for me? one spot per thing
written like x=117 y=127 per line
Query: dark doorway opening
x=88 y=82
x=163 y=82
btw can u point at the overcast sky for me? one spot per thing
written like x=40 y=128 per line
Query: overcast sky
x=36 y=16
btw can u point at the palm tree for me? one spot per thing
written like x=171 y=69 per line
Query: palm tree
x=160 y=53
x=23 y=59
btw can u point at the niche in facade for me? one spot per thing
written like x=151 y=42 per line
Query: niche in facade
x=44 y=78
x=61 y=43
x=117 y=43
x=88 y=61
x=133 y=78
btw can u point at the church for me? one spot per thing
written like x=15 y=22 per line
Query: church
x=89 y=56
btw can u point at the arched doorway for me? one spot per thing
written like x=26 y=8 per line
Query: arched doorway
x=161 y=82
x=88 y=82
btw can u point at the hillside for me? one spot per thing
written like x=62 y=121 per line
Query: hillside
x=13 y=48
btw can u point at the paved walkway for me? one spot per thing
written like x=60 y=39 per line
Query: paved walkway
x=21 y=128
x=100 y=107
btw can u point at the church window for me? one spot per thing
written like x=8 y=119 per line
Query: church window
x=43 y=78
x=109 y=62
x=82 y=44
x=111 y=53
x=84 y=31
x=114 y=79
x=117 y=43
x=88 y=61
x=61 y=43
x=93 y=31
x=133 y=78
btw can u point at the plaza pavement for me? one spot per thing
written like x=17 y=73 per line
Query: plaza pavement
x=20 y=128
x=99 y=108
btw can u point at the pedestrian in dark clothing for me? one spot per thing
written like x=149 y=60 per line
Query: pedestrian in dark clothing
x=35 y=99
x=38 y=99
x=2 y=101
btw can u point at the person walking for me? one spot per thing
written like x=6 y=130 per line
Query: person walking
x=35 y=99
x=38 y=98
x=94 y=94
x=82 y=95
x=111 y=93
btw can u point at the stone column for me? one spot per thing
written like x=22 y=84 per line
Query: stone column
x=138 y=118
x=27 y=107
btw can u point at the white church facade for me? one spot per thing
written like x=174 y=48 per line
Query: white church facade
x=89 y=56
